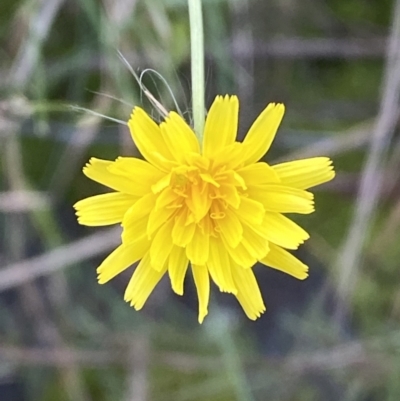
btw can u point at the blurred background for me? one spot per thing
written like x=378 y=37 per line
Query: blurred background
x=336 y=336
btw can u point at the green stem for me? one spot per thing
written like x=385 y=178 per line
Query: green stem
x=197 y=66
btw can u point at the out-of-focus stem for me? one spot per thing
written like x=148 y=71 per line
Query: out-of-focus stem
x=197 y=66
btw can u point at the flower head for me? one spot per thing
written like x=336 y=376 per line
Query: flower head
x=213 y=206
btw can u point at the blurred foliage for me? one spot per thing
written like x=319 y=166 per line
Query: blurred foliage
x=63 y=336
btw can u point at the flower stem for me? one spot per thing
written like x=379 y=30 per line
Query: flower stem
x=197 y=66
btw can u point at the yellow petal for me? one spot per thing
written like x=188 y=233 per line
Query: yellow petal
x=257 y=245
x=261 y=134
x=282 y=199
x=182 y=233
x=199 y=201
x=133 y=229
x=235 y=179
x=136 y=219
x=230 y=228
x=197 y=160
x=105 y=209
x=157 y=218
x=231 y=195
x=142 y=207
x=248 y=295
x=258 y=173
x=283 y=231
x=142 y=283
x=141 y=173
x=231 y=156
x=179 y=137
x=121 y=258
x=240 y=255
x=306 y=173
x=98 y=170
x=197 y=249
x=163 y=161
x=250 y=211
x=206 y=177
x=221 y=125
x=161 y=245
x=279 y=259
x=168 y=199
x=148 y=138
x=202 y=283
x=177 y=267
x=161 y=184
x=219 y=265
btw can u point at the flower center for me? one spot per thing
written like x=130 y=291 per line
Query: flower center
x=206 y=194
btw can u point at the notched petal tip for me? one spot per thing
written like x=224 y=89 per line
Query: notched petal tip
x=252 y=315
x=76 y=206
x=280 y=259
x=306 y=173
x=258 y=314
x=202 y=315
x=135 y=305
x=303 y=277
x=177 y=291
x=327 y=164
x=230 y=290
x=232 y=99
x=262 y=132
x=278 y=107
x=90 y=164
x=229 y=98
x=302 y=273
x=135 y=111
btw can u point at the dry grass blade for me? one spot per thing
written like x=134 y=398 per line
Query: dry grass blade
x=28 y=55
x=347 y=141
x=27 y=270
x=313 y=48
x=349 y=259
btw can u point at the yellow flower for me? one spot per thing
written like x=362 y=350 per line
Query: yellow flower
x=212 y=205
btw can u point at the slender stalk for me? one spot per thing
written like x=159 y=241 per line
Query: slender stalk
x=197 y=66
